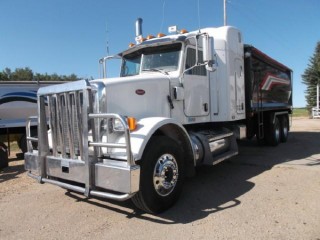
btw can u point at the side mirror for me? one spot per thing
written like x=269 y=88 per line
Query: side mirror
x=208 y=57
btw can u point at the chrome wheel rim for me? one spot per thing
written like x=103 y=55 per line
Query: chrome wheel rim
x=285 y=128
x=277 y=132
x=285 y=131
x=165 y=175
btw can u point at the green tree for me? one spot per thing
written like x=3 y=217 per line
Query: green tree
x=5 y=74
x=22 y=74
x=26 y=74
x=311 y=78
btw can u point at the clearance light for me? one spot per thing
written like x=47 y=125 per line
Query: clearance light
x=160 y=35
x=131 y=45
x=150 y=37
x=132 y=123
x=183 y=31
x=142 y=39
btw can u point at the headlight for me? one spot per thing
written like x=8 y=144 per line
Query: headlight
x=117 y=126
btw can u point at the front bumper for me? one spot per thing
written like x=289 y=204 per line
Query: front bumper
x=114 y=179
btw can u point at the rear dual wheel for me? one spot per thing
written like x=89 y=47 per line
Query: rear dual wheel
x=284 y=128
x=161 y=177
x=277 y=131
x=272 y=134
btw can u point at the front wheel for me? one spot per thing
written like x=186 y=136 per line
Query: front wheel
x=22 y=143
x=161 y=177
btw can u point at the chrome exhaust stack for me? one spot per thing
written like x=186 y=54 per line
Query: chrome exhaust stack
x=138 y=30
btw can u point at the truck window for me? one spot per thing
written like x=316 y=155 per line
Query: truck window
x=130 y=66
x=191 y=61
x=163 y=57
x=167 y=61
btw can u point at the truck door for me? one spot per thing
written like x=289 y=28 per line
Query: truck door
x=196 y=86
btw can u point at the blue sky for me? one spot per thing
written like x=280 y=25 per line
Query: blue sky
x=69 y=36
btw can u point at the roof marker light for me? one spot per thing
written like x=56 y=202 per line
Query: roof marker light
x=150 y=37
x=160 y=35
x=183 y=31
x=142 y=39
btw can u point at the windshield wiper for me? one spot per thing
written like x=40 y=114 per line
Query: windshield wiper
x=155 y=70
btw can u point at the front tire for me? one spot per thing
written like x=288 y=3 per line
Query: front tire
x=161 y=177
x=22 y=143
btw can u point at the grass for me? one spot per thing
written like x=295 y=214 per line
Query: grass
x=300 y=112
x=13 y=145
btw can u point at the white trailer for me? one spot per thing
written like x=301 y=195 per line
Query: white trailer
x=18 y=100
x=181 y=101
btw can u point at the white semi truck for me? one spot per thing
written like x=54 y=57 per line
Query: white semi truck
x=181 y=101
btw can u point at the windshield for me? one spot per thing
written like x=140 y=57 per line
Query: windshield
x=163 y=58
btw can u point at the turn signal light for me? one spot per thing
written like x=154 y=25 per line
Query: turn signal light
x=132 y=123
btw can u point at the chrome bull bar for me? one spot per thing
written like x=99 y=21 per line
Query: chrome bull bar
x=69 y=160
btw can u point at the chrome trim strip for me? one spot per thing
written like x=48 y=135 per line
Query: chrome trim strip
x=117 y=197
x=66 y=87
x=121 y=197
x=111 y=145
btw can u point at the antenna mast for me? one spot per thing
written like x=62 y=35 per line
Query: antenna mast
x=225 y=12
x=107 y=40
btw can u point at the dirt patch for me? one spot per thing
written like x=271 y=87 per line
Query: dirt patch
x=263 y=193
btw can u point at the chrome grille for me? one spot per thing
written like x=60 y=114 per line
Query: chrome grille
x=75 y=120
x=65 y=120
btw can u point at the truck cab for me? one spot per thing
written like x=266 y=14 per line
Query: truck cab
x=173 y=67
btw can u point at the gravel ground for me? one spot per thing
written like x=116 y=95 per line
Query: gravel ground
x=263 y=193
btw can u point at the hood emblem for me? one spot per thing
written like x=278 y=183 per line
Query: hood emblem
x=140 y=91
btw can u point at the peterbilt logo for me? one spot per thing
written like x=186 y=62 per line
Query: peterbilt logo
x=140 y=91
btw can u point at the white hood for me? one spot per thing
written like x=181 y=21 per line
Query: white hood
x=138 y=96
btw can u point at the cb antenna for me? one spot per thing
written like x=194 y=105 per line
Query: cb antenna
x=163 y=8
x=107 y=40
x=199 y=14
